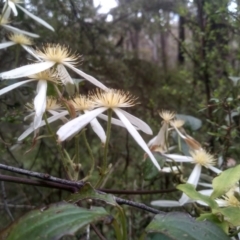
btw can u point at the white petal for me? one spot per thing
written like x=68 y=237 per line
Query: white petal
x=177 y=158
x=87 y=77
x=214 y=169
x=40 y=102
x=32 y=52
x=26 y=70
x=97 y=128
x=195 y=175
x=29 y=116
x=150 y=143
x=37 y=19
x=43 y=123
x=205 y=184
x=131 y=129
x=64 y=75
x=13 y=86
x=17 y=30
x=184 y=199
x=165 y=203
x=138 y=122
x=6 y=11
x=222 y=202
x=6 y=44
x=206 y=192
x=75 y=125
x=113 y=120
x=13 y=7
x=170 y=169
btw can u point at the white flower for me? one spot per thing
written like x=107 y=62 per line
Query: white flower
x=199 y=158
x=12 y=4
x=159 y=142
x=53 y=55
x=53 y=108
x=104 y=100
x=4 y=23
x=40 y=99
x=20 y=39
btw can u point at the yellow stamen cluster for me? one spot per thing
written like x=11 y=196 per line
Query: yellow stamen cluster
x=20 y=39
x=203 y=158
x=167 y=116
x=48 y=75
x=231 y=199
x=177 y=123
x=58 y=54
x=82 y=103
x=112 y=98
x=52 y=104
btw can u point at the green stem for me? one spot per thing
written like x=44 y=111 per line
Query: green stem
x=77 y=156
x=107 y=140
x=91 y=155
x=123 y=222
x=65 y=162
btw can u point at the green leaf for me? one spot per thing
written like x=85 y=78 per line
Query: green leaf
x=176 y=225
x=225 y=181
x=52 y=222
x=231 y=214
x=87 y=192
x=191 y=192
x=215 y=219
x=192 y=122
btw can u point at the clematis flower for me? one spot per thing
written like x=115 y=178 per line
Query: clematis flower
x=52 y=107
x=20 y=39
x=5 y=24
x=200 y=158
x=52 y=55
x=159 y=142
x=114 y=100
x=40 y=98
x=13 y=5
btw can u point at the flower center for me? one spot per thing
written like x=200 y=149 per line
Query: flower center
x=20 y=39
x=52 y=104
x=167 y=116
x=112 y=98
x=82 y=103
x=48 y=75
x=57 y=54
x=203 y=158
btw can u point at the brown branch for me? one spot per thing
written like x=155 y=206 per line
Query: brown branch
x=63 y=184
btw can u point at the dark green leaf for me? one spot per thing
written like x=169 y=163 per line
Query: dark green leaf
x=52 y=222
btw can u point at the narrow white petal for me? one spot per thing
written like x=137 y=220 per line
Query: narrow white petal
x=97 y=128
x=136 y=136
x=17 y=30
x=206 y=192
x=75 y=125
x=37 y=19
x=6 y=44
x=6 y=11
x=13 y=7
x=55 y=113
x=13 y=86
x=150 y=143
x=214 y=169
x=170 y=169
x=32 y=52
x=177 y=158
x=195 y=175
x=113 y=120
x=43 y=123
x=64 y=75
x=26 y=70
x=222 y=202
x=86 y=76
x=165 y=203
x=138 y=123
x=29 y=116
x=40 y=102
x=184 y=199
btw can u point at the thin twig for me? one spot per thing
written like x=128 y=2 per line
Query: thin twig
x=5 y=201
x=97 y=232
